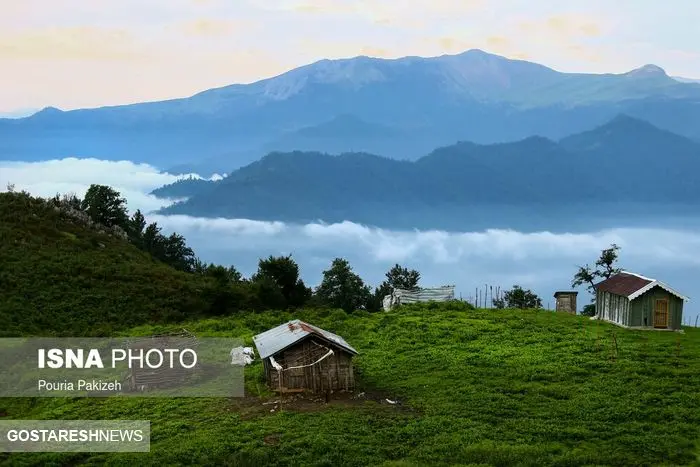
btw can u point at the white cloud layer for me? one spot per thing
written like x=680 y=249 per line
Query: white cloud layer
x=543 y=261
x=46 y=178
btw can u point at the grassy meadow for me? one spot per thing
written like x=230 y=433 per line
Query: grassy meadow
x=474 y=387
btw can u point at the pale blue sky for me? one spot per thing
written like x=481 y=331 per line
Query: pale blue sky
x=80 y=53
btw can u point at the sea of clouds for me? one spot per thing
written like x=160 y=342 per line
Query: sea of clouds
x=542 y=261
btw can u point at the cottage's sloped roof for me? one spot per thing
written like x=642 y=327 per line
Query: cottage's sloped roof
x=631 y=285
x=276 y=339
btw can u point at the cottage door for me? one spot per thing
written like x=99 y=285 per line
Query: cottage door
x=661 y=313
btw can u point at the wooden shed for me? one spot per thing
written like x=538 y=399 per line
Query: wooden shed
x=299 y=357
x=634 y=301
x=142 y=379
x=566 y=301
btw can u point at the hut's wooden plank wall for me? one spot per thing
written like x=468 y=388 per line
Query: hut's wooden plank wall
x=333 y=373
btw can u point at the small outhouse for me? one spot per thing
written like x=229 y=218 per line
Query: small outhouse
x=566 y=301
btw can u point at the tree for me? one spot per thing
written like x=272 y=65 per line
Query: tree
x=342 y=288
x=222 y=274
x=521 y=298
x=177 y=254
x=400 y=277
x=283 y=272
x=135 y=227
x=105 y=205
x=153 y=240
x=588 y=310
x=604 y=268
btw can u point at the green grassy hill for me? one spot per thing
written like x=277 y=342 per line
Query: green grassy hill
x=59 y=276
x=475 y=388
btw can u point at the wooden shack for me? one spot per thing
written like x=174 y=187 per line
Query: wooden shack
x=145 y=378
x=633 y=301
x=299 y=357
x=566 y=301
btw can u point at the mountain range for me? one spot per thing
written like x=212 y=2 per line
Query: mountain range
x=624 y=167
x=398 y=108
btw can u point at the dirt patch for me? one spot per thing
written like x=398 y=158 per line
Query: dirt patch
x=272 y=439
x=252 y=407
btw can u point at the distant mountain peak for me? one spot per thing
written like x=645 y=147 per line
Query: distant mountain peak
x=623 y=124
x=648 y=70
x=624 y=120
x=48 y=111
x=624 y=131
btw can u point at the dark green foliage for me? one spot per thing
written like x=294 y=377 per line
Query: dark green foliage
x=171 y=250
x=69 y=199
x=135 y=229
x=399 y=277
x=342 y=288
x=63 y=276
x=606 y=261
x=223 y=275
x=105 y=205
x=60 y=277
x=605 y=267
x=588 y=310
x=183 y=188
x=283 y=273
x=520 y=298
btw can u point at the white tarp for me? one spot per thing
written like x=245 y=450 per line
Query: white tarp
x=242 y=355
x=432 y=294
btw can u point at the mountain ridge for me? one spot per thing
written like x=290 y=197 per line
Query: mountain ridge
x=535 y=172
x=430 y=101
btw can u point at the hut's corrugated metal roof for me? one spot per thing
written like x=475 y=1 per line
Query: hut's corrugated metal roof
x=276 y=339
x=631 y=285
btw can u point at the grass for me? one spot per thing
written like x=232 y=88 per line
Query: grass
x=60 y=276
x=475 y=388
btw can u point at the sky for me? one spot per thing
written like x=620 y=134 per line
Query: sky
x=542 y=261
x=89 y=53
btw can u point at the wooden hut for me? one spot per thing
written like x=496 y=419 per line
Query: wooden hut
x=299 y=357
x=634 y=301
x=145 y=378
x=566 y=301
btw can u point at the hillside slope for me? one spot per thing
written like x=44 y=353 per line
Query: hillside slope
x=480 y=387
x=61 y=277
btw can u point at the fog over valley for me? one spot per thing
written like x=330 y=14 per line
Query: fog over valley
x=541 y=260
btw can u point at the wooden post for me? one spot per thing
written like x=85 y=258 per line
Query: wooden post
x=279 y=383
x=696 y=321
